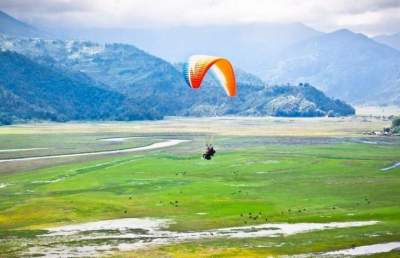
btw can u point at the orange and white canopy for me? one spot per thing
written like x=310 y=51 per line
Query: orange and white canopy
x=198 y=66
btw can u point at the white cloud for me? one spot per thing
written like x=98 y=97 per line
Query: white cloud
x=368 y=16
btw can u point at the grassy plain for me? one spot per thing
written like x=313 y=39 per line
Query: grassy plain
x=283 y=170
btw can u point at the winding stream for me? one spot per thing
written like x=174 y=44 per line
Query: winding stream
x=153 y=146
x=105 y=237
x=396 y=165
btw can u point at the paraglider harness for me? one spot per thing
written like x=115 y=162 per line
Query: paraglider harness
x=209 y=153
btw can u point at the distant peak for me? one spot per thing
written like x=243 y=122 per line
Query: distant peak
x=4 y=15
x=14 y=27
x=343 y=32
x=346 y=33
x=397 y=34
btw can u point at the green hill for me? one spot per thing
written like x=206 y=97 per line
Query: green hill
x=29 y=90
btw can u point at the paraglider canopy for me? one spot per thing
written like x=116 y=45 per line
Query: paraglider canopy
x=198 y=65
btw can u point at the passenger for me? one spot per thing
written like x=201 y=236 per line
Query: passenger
x=212 y=151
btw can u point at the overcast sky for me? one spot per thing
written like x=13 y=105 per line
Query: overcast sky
x=367 y=16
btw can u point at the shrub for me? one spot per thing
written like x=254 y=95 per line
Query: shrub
x=396 y=122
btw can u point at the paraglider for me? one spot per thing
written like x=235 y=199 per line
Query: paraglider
x=196 y=69
x=198 y=65
x=210 y=151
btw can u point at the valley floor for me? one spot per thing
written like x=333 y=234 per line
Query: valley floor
x=276 y=187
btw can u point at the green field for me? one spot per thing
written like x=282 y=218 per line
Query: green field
x=282 y=178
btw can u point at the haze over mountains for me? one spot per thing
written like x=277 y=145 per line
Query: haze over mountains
x=248 y=46
x=342 y=64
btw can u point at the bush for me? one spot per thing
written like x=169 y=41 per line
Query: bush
x=396 y=122
x=5 y=119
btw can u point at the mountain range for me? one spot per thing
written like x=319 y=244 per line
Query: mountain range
x=296 y=67
x=343 y=64
x=132 y=79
